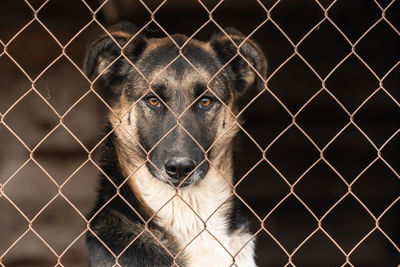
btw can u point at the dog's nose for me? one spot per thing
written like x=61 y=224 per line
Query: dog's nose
x=179 y=168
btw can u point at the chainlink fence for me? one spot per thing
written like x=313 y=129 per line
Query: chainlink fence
x=318 y=172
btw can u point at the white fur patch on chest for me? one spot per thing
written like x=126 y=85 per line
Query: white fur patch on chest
x=197 y=217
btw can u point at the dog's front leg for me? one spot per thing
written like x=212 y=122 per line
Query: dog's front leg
x=128 y=244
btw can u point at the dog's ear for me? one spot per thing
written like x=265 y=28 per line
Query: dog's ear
x=103 y=50
x=244 y=76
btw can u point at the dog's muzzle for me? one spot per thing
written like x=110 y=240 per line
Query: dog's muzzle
x=180 y=171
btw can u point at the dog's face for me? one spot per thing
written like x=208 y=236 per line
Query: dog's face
x=173 y=107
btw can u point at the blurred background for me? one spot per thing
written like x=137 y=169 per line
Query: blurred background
x=46 y=178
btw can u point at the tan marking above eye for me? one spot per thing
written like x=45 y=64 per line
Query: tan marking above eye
x=205 y=102
x=153 y=101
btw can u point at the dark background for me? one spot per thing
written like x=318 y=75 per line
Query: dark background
x=49 y=154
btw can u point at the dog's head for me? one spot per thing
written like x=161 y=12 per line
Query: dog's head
x=173 y=97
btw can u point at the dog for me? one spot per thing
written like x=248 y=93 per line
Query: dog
x=166 y=193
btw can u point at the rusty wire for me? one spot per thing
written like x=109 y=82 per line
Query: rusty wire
x=293 y=124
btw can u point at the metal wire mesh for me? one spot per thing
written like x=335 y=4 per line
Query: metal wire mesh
x=261 y=221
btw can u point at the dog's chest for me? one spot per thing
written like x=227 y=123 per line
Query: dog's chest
x=208 y=242
x=198 y=220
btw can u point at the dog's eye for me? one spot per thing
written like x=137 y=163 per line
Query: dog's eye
x=205 y=102
x=153 y=101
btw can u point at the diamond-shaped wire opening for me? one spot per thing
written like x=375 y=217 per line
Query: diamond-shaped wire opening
x=347 y=233
x=264 y=112
x=314 y=48
x=283 y=49
x=261 y=198
x=290 y=233
x=58 y=94
x=331 y=118
x=352 y=83
x=378 y=187
x=31 y=111
x=292 y=154
x=28 y=51
x=59 y=229
x=294 y=83
x=374 y=53
x=350 y=162
x=383 y=122
x=60 y=158
x=30 y=189
x=320 y=188
x=73 y=49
